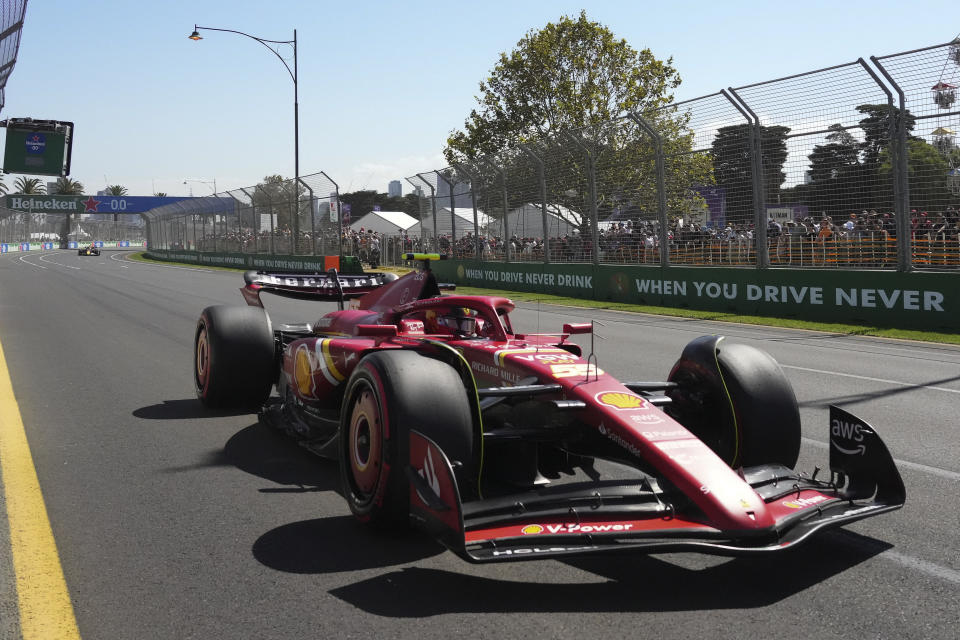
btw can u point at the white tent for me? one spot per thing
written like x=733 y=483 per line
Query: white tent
x=391 y=223
x=464 y=220
x=527 y=221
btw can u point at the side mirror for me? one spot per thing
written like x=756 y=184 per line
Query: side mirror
x=573 y=328
x=380 y=330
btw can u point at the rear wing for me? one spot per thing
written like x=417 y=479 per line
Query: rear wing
x=313 y=286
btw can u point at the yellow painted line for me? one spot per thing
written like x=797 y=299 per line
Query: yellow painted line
x=45 y=609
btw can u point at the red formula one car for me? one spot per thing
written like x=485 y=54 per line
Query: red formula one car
x=509 y=446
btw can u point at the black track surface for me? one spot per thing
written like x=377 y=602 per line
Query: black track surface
x=173 y=522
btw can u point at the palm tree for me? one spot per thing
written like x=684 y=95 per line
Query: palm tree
x=3 y=185
x=29 y=186
x=116 y=190
x=68 y=187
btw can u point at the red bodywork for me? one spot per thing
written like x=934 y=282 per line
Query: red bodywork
x=721 y=507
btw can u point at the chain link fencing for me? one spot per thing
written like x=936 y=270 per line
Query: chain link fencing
x=18 y=227
x=855 y=166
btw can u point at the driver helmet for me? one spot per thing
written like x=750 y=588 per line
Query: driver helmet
x=461 y=321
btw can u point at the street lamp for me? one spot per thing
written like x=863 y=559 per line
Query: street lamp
x=293 y=76
x=210 y=183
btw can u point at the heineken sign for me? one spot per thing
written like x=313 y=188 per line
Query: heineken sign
x=86 y=204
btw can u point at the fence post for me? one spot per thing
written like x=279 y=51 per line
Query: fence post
x=453 y=215
x=661 y=188
x=313 y=221
x=542 y=179
x=433 y=209
x=592 y=183
x=336 y=194
x=901 y=176
x=756 y=168
x=419 y=190
x=507 y=254
x=478 y=244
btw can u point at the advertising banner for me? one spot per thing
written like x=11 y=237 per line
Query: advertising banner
x=922 y=301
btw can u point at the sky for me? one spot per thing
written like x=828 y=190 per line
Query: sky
x=381 y=84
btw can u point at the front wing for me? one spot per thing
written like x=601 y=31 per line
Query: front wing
x=639 y=517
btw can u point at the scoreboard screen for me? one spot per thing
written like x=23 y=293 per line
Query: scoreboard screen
x=38 y=147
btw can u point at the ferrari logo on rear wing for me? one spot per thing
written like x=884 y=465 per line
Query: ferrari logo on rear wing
x=314 y=286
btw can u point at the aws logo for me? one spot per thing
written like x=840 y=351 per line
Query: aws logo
x=850 y=432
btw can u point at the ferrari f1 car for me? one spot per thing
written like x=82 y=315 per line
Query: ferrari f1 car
x=508 y=446
x=90 y=250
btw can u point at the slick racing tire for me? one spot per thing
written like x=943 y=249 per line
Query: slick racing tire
x=234 y=357
x=738 y=401
x=389 y=394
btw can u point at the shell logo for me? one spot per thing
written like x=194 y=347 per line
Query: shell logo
x=803 y=503
x=621 y=400
x=531 y=529
x=303 y=372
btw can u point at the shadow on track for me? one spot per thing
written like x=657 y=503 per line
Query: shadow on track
x=339 y=544
x=857 y=398
x=183 y=410
x=274 y=457
x=635 y=584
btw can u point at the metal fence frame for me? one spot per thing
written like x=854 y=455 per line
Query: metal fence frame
x=688 y=183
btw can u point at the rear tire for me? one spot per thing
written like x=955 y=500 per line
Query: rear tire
x=234 y=362
x=389 y=394
x=738 y=401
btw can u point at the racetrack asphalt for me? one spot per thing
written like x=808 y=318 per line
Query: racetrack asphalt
x=172 y=522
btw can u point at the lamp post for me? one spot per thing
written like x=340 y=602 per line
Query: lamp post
x=296 y=107
x=210 y=183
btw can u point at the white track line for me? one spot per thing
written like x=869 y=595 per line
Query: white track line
x=930 y=568
x=57 y=263
x=122 y=258
x=916 y=466
x=850 y=375
x=38 y=266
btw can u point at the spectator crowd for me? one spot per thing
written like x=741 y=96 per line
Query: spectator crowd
x=864 y=238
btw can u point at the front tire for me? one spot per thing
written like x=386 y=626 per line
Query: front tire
x=234 y=361
x=389 y=394
x=738 y=401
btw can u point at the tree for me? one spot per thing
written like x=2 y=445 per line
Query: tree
x=927 y=175
x=277 y=196
x=116 y=190
x=876 y=129
x=29 y=186
x=160 y=194
x=3 y=185
x=68 y=187
x=733 y=170
x=568 y=75
x=574 y=76
x=848 y=175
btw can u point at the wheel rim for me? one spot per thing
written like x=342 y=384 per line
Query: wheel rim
x=203 y=358
x=365 y=444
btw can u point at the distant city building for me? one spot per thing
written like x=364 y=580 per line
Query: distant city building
x=51 y=187
x=395 y=189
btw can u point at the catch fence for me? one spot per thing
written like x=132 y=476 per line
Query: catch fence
x=855 y=166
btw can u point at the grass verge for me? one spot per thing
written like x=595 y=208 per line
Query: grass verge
x=786 y=323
